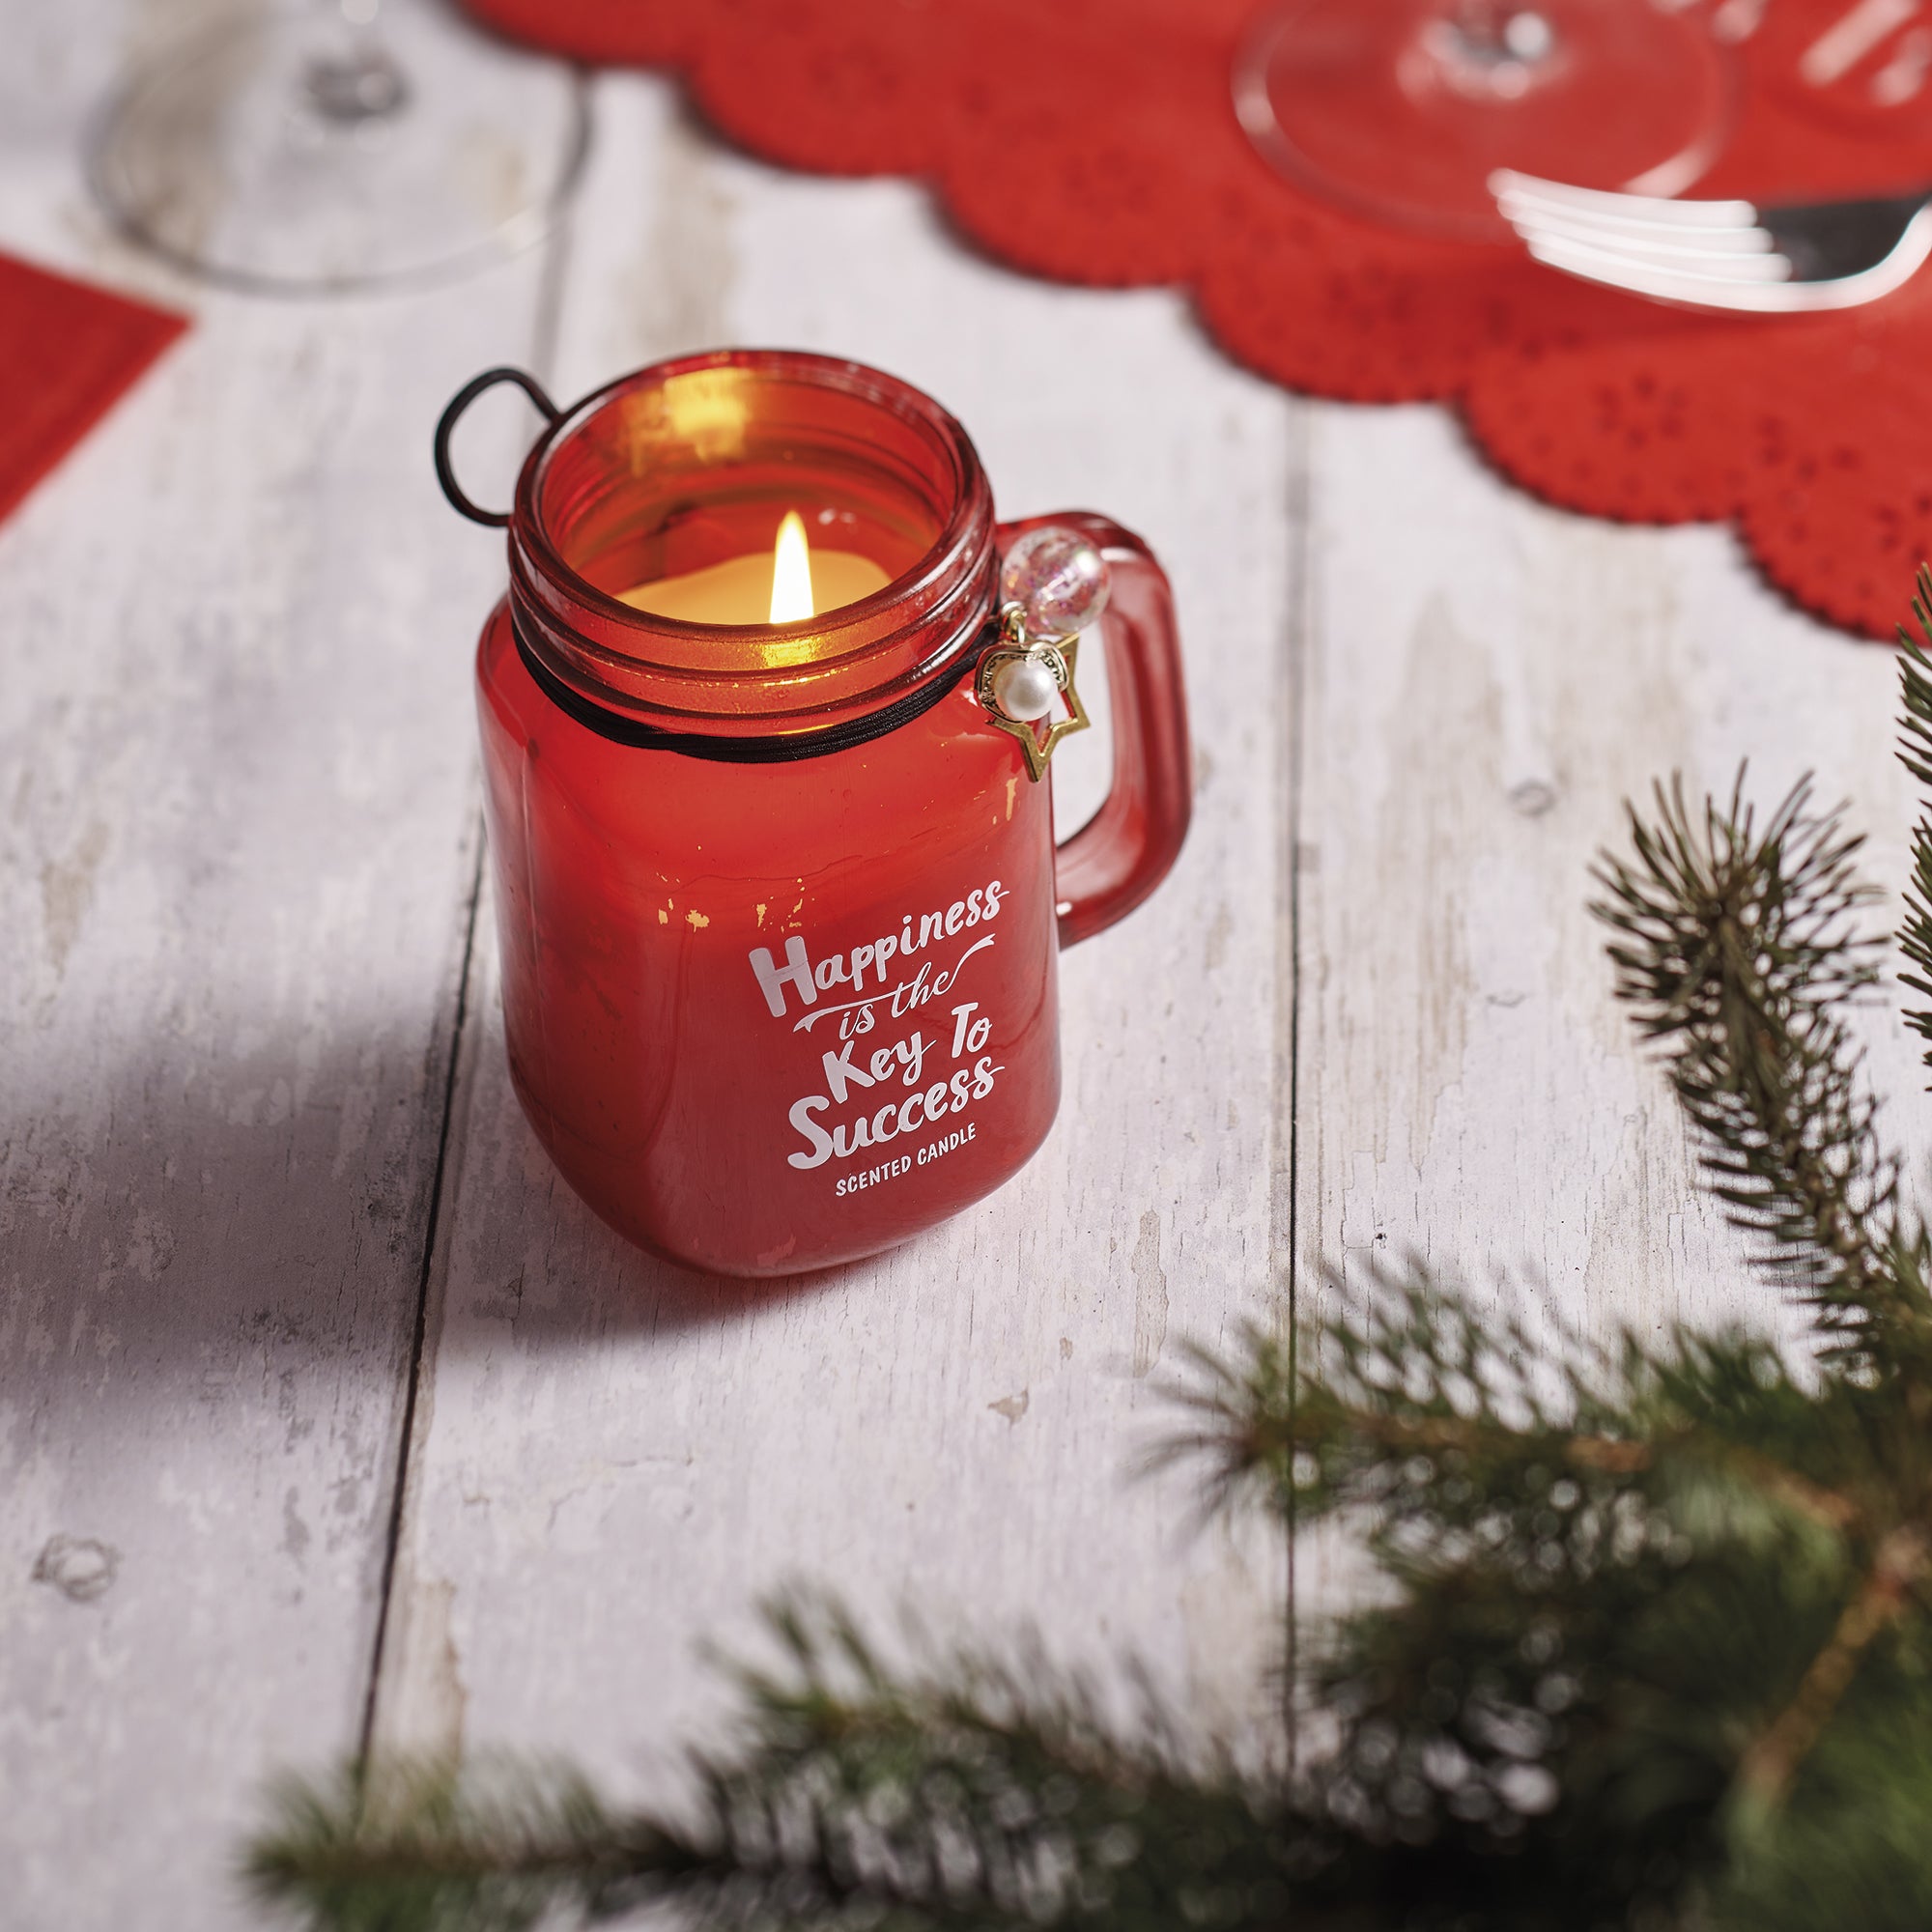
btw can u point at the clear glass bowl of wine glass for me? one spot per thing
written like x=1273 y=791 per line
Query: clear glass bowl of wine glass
x=1402 y=110
x=338 y=145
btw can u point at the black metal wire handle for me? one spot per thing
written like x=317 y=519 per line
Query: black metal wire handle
x=446 y=473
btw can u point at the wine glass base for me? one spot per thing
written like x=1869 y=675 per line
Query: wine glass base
x=1394 y=109
x=301 y=156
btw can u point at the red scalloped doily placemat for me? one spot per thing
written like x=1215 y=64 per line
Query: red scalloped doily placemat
x=1093 y=141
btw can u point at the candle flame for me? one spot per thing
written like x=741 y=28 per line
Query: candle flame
x=792 y=572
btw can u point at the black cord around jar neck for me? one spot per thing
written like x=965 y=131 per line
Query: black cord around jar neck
x=775 y=748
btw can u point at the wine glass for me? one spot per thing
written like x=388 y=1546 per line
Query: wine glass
x=333 y=147
x=1863 y=68
x=1402 y=110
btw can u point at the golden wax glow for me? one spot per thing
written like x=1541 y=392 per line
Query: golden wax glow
x=788 y=586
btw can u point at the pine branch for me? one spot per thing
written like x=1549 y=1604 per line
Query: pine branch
x=1914 y=750
x=975 y=1795
x=1570 y=1564
x=1736 y=949
x=1412 y=1372
x=1849 y=1848
x=1775 y=1756
x=427 y=1845
x=1406 y=1371
x=1599 y=1591
x=975 y=1791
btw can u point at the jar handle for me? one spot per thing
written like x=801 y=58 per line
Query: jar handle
x=445 y=471
x=1107 y=868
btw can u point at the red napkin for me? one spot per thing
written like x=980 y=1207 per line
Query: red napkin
x=66 y=352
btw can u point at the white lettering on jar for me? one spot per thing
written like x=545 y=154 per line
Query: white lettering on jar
x=860 y=1178
x=851 y=969
x=848 y=1115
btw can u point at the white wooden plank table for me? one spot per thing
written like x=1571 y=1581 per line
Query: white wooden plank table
x=327 y=1414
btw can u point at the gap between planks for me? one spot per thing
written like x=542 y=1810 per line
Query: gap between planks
x=557 y=252
x=404 y=1436
x=1298 y=633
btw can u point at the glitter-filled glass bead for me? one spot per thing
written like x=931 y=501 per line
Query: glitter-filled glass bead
x=1058 y=578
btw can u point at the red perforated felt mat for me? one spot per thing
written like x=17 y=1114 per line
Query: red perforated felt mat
x=67 y=351
x=1093 y=141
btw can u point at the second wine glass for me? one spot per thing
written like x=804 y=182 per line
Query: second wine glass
x=1402 y=110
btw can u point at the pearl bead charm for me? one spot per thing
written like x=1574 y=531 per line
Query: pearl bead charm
x=1058 y=578
x=1025 y=688
x=1025 y=672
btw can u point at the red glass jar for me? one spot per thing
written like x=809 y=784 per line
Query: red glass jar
x=780 y=904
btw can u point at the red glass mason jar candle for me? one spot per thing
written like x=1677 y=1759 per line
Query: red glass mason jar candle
x=780 y=903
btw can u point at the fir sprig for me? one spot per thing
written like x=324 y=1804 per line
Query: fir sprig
x=435 y=1846
x=1652 y=1648
x=1914 y=751
x=1735 y=947
x=982 y=1792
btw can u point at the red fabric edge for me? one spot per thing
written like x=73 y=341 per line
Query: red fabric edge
x=113 y=341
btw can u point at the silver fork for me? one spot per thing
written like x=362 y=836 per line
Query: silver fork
x=1722 y=254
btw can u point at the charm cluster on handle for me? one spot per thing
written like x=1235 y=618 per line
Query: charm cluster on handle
x=1054 y=584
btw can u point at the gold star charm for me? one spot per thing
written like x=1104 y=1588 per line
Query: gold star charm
x=1027 y=675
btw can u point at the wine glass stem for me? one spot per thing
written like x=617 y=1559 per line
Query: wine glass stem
x=353 y=79
x=1479 y=21
x=1500 y=30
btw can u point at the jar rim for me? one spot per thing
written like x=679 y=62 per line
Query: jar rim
x=969 y=514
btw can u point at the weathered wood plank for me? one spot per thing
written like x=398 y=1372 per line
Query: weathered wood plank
x=614 y=1458
x=236 y=848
